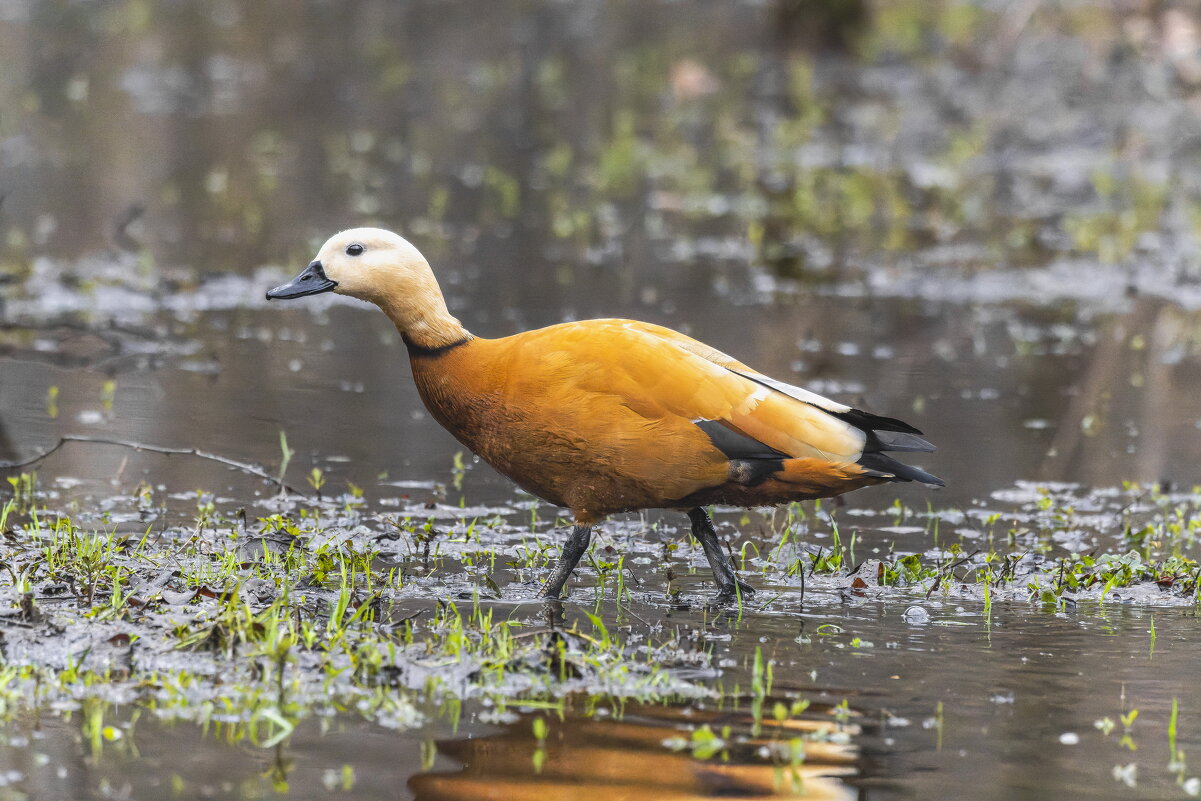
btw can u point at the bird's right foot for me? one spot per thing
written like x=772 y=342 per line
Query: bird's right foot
x=738 y=592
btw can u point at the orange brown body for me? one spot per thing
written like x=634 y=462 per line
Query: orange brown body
x=598 y=417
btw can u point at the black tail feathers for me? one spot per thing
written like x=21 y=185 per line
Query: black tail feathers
x=890 y=434
x=886 y=466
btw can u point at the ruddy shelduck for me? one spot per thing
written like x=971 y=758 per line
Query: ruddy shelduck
x=605 y=416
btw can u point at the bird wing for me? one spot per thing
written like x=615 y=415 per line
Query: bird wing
x=673 y=382
x=800 y=423
x=787 y=419
x=607 y=414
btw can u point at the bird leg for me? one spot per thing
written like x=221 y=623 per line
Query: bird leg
x=573 y=549
x=728 y=585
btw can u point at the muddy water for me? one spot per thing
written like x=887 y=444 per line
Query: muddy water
x=978 y=220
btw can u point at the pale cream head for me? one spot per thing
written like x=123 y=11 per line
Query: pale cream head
x=383 y=268
x=367 y=263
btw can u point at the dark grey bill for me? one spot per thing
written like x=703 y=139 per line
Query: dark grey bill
x=310 y=282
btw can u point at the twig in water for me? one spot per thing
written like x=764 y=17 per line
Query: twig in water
x=947 y=572
x=141 y=446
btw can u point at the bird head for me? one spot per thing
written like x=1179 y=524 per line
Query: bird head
x=364 y=263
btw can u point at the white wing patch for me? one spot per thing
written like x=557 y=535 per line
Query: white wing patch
x=752 y=401
x=803 y=395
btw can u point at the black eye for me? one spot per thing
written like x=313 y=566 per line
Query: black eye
x=354 y=250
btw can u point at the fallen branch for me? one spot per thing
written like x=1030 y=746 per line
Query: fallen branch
x=140 y=446
x=948 y=572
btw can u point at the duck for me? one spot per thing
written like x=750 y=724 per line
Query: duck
x=612 y=415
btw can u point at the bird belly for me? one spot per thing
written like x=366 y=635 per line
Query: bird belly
x=561 y=456
x=562 y=470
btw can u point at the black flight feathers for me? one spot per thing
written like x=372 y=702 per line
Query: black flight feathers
x=735 y=444
x=751 y=462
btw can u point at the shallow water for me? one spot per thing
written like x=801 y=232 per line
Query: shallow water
x=979 y=220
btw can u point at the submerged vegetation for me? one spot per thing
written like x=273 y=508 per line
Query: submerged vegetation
x=187 y=607
x=329 y=607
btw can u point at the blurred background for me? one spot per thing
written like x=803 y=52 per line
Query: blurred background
x=980 y=215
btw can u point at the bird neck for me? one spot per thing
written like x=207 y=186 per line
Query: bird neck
x=420 y=315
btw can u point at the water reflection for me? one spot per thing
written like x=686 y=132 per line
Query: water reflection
x=1131 y=401
x=653 y=752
